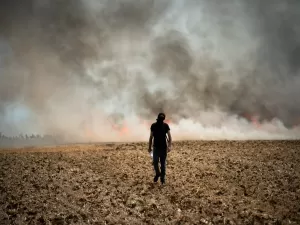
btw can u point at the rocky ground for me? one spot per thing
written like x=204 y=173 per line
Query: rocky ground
x=208 y=182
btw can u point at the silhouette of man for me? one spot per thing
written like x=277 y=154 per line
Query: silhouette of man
x=161 y=146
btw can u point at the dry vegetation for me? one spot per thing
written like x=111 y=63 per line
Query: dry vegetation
x=217 y=182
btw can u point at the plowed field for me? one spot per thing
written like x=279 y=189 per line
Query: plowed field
x=207 y=182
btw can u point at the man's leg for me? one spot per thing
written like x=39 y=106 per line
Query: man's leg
x=163 y=158
x=155 y=164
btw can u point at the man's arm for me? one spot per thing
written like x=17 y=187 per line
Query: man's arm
x=169 y=140
x=150 y=141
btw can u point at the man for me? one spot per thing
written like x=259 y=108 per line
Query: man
x=159 y=132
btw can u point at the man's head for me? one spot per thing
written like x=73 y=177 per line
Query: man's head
x=161 y=117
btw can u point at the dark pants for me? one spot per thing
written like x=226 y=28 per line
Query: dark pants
x=160 y=154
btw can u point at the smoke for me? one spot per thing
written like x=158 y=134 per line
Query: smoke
x=95 y=70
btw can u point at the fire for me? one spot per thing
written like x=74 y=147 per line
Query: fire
x=90 y=134
x=168 y=121
x=124 y=129
x=121 y=129
x=255 y=121
x=253 y=118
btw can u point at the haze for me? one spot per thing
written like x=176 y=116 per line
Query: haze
x=102 y=70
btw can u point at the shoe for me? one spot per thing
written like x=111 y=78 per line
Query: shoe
x=162 y=181
x=156 y=178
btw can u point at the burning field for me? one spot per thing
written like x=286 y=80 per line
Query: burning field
x=208 y=182
x=77 y=71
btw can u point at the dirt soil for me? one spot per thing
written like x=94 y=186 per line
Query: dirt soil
x=208 y=182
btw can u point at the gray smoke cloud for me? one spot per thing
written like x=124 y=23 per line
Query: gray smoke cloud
x=82 y=67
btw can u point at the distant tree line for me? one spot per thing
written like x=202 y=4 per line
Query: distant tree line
x=29 y=140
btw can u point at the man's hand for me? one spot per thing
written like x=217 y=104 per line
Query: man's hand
x=169 y=149
x=149 y=150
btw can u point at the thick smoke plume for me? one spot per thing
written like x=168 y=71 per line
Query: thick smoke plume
x=102 y=70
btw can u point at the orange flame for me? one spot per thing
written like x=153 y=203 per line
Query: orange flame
x=168 y=121
x=124 y=130
x=90 y=134
x=253 y=118
x=121 y=129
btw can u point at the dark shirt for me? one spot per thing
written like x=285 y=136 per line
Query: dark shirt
x=160 y=131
